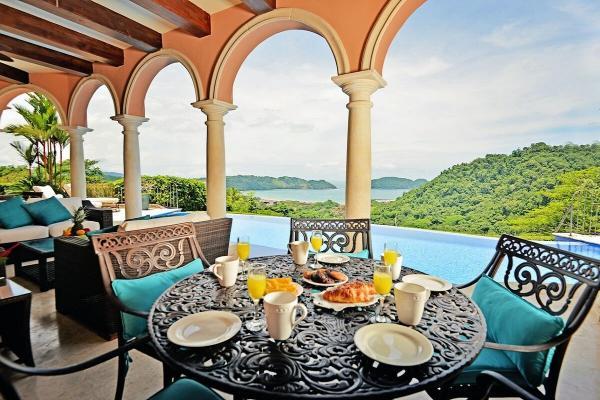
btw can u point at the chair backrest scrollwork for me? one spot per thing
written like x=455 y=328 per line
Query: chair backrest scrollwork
x=339 y=235
x=552 y=278
x=136 y=254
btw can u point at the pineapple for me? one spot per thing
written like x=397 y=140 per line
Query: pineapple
x=78 y=218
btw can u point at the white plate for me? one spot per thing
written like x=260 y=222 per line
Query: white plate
x=321 y=302
x=204 y=329
x=326 y=284
x=430 y=282
x=393 y=344
x=332 y=258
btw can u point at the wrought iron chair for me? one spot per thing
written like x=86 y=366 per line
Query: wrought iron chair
x=138 y=254
x=174 y=391
x=339 y=235
x=552 y=277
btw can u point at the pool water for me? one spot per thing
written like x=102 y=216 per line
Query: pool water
x=456 y=257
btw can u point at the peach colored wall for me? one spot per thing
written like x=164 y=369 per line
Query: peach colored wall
x=407 y=9
x=351 y=19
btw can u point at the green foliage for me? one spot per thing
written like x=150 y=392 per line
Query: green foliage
x=45 y=142
x=573 y=188
x=252 y=182
x=392 y=182
x=191 y=193
x=485 y=195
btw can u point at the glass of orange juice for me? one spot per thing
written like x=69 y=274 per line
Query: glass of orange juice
x=243 y=250
x=316 y=241
x=257 y=285
x=382 y=280
x=390 y=253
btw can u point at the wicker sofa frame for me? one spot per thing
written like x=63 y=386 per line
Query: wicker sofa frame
x=80 y=292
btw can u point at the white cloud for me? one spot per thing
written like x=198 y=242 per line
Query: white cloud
x=522 y=33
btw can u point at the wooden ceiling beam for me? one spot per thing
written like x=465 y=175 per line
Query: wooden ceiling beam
x=101 y=19
x=33 y=28
x=33 y=53
x=260 y=6
x=13 y=75
x=181 y=13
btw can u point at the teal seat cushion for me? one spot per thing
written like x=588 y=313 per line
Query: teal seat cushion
x=13 y=215
x=513 y=320
x=488 y=359
x=359 y=254
x=48 y=211
x=110 y=229
x=186 y=389
x=140 y=294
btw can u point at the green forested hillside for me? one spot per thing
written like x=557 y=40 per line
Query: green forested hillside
x=490 y=194
x=392 y=182
x=252 y=182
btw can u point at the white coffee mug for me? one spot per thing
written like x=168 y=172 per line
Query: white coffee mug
x=226 y=270
x=280 y=312
x=396 y=268
x=410 y=302
x=299 y=250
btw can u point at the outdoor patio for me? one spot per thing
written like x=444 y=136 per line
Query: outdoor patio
x=201 y=314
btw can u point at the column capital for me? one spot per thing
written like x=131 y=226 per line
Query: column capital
x=129 y=122
x=361 y=84
x=213 y=108
x=76 y=130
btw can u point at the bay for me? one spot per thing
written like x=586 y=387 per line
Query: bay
x=312 y=196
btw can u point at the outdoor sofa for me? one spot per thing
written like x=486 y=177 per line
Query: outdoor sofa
x=37 y=229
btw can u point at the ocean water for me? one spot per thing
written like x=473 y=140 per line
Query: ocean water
x=455 y=257
x=312 y=196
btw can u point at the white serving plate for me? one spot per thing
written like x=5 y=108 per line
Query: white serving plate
x=393 y=344
x=321 y=302
x=433 y=283
x=204 y=329
x=325 y=284
x=332 y=258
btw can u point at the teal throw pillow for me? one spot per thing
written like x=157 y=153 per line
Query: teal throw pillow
x=13 y=215
x=513 y=320
x=140 y=294
x=110 y=229
x=48 y=211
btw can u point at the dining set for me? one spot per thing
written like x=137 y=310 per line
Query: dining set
x=328 y=319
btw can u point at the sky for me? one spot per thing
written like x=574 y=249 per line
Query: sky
x=485 y=77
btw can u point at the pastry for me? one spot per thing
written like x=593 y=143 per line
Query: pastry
x=351 y=292
x=324 y=276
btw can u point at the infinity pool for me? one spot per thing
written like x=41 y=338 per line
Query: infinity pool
x=456 y=257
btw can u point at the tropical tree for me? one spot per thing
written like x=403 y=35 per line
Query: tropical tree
x=47 y=141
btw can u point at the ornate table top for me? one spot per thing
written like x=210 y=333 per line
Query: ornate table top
x=320 y=359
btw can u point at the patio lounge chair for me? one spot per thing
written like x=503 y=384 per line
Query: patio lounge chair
x=527 y=340
x=349 y=236
x=182 y=389
x=136 y=267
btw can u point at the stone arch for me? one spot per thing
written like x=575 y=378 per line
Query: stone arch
x=82 y=94
x=145 y=72
x=388 y=23
x=10 y=92
x=258 y=29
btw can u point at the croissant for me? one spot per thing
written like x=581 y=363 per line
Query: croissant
x=351 y=292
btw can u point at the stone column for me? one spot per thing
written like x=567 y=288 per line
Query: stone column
x=131 y=163
x=215 y=110
x=359 y=86
x=77 y=159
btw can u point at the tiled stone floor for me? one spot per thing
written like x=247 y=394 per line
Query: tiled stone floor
x=58 y=340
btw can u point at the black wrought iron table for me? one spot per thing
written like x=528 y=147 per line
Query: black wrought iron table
x=320 y=360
